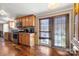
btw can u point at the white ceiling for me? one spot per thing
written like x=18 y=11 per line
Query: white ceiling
x=19 y=9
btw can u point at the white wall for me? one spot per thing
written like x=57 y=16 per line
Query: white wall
x=5 y=28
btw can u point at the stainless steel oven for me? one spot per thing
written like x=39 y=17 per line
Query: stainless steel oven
x=16 y=36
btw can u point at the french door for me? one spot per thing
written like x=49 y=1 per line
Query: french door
x=54 y=31
x=44 y=32
x=61 y=31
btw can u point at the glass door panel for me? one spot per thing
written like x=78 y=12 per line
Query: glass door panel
x=44 y=32
x=44 y=28
x=60 y=31
x=44 y=41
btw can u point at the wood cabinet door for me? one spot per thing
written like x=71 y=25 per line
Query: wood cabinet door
x=27 y=21
x=6 y=36
x=20 y=38
x=23 y=39
x=27 y=37
x=23 y=22
x=31 y=20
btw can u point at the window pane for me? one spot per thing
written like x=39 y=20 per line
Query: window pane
x=63 y=29
x=44 y=41
x=44 y=28
x=58 y=29
x=45 y=22
x=44 y=34
x=44 y=25
x=58 y=40
x=63 y=41
x=63 y=20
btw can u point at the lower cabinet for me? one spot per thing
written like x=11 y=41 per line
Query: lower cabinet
x=11 y=37
x=26 y=39
x=20 y=38
x=7 y=36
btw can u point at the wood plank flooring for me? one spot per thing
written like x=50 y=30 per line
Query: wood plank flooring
x=10 y=49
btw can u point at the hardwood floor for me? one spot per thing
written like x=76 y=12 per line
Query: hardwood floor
x=10 y=49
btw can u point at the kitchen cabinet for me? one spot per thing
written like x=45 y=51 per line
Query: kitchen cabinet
x=26 y=39
x=23 y=22
x=31 y=20
x=7 y=36
x=20 y=38
x=12 y=37
x=27 y=20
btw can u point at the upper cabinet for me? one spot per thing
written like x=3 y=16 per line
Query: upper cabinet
x=23 y=21
x=27 y=20
x=31 y=20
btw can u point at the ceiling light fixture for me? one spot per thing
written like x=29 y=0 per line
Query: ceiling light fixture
x=2 y=12
x=4 y=15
